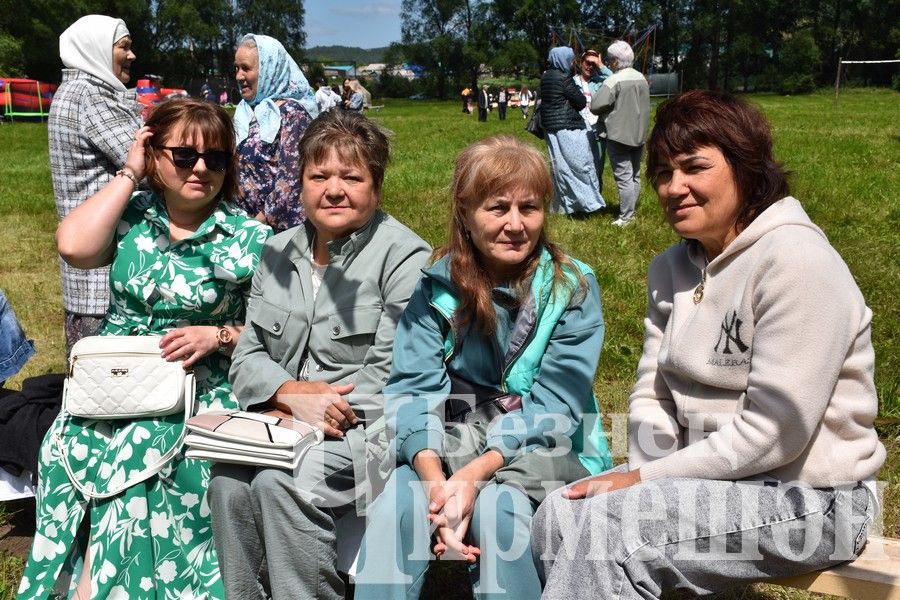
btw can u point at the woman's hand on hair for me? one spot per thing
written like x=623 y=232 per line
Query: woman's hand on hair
x=317 y=403
x=601 y=484
x=189 y=344
x=136 y=161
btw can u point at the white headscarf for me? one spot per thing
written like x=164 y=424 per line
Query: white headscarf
x=87 y=45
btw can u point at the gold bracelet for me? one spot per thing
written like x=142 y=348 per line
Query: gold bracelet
x=126 y=172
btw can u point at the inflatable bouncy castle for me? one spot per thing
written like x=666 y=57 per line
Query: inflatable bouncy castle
x=149 y=91
x=25 y=97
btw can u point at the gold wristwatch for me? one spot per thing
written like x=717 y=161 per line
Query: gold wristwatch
x=224 y=337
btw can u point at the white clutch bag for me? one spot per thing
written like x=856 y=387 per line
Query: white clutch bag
x=250 y=438
x=124 y=377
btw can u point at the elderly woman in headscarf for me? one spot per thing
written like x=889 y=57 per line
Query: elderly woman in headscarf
x=277 y=107
x=90 y=129
x=577 y=189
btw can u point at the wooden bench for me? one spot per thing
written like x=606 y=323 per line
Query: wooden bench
x=875 y=575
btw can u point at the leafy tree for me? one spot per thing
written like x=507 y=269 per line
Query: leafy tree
x=434 y=33
x=280 y=19
x=516 y=57
x=11 y=62
x=798 y=63
x=194 y=38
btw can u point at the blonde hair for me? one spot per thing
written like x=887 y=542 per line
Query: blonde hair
x=490 y=167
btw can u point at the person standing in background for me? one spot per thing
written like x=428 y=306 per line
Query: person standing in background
x=524 y=100
x=501 y=104
x=484 y=102
x=276 y=108
x=90 y=129
x=571 y=158
x=623 y=103
x=326 y=99
x=591 y=75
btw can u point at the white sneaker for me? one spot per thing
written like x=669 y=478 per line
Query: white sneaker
x=620 y=222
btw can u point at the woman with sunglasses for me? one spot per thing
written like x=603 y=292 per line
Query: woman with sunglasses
x=277 y=107
x=182 y=257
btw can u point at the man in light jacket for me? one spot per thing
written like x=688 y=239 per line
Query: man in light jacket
x=623 y=102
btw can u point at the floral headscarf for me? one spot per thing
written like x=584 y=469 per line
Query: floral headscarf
x=279 y=78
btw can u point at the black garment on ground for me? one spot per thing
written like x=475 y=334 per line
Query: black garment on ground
x=560 y=102
x=25 y=418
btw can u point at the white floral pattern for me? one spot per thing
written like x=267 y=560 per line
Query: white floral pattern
x=154 y=540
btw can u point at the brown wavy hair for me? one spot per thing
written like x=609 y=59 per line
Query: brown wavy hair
x=196 y=119
x=490 y=167
x=739 y=130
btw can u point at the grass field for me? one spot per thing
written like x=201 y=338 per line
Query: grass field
x=844 y=161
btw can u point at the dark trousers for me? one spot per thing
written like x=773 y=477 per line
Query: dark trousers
x=482 y=114
x=501 y=111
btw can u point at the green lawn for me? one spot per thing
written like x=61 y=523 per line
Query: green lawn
x=844 y=161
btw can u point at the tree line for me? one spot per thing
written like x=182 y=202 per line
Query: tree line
x=179 y=39
x=739 y=45
x=790 y=46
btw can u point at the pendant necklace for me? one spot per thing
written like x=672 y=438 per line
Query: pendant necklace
x=698 y=291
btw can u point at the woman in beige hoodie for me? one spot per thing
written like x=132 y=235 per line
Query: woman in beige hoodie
x=752 y=451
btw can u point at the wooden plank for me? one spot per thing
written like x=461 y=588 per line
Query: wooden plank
x=875 y=575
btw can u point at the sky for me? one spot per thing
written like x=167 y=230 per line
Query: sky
x=361 y=23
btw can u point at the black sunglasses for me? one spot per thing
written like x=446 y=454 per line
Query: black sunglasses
x=186 y=158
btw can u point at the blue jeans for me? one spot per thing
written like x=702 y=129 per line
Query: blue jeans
x=396 y=549
x=15 y=350
x=698 y=535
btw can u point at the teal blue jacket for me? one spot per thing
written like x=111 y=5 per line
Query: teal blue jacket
x=554 y=382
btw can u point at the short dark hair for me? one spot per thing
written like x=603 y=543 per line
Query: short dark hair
x=355 y=138
x=197 y=118
x=740 y=132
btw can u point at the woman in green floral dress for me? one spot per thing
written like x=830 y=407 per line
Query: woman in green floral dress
x=182 y=259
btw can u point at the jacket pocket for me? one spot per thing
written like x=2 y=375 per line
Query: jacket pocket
x=271 y=320
x=352 y=333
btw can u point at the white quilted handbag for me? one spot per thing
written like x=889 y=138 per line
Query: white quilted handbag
x=124 y=377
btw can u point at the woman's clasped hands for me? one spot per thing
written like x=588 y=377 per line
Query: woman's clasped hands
x=451 y=501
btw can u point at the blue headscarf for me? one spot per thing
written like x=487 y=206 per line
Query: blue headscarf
x=279 y=77
x=561 y=58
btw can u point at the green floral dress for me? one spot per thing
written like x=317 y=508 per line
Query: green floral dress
x=155 y=539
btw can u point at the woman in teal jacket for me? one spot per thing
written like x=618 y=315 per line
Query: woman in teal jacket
x=489 y=397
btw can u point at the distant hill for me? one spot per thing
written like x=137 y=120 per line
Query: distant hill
x=347 y=54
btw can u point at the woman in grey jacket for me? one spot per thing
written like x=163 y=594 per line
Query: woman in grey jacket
x=752 y=452
x=575 y=183
x=323 y=308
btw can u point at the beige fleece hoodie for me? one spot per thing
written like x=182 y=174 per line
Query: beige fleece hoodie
x=770 y=374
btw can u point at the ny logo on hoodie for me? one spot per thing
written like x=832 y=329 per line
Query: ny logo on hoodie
x=730 y=332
